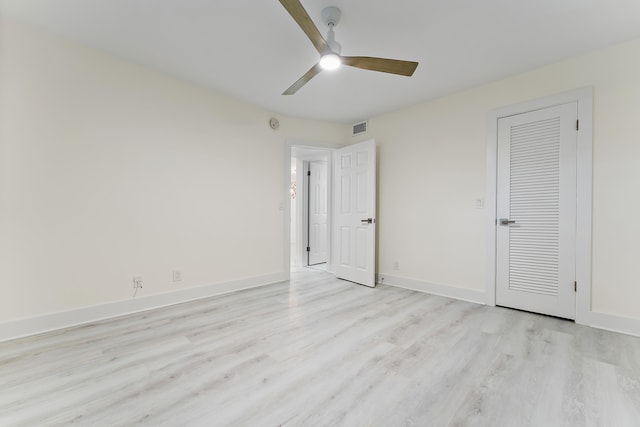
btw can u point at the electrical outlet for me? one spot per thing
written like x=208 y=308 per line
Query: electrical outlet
x=177 y=275
x=137 y=282
x=396 y=265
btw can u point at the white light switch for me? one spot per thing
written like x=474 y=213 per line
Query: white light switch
x=479 y=203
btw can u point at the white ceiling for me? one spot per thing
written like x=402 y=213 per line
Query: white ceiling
x=253 y=50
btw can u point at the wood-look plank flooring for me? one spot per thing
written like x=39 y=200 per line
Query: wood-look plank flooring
x=317 y=351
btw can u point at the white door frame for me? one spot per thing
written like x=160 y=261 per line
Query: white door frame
x=584 y=98
x=286 y=203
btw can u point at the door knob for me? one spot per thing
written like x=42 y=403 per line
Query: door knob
x=505 y=221
x=368 y=220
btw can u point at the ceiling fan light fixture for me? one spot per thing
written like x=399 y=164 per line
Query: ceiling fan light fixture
x=330 y=61
x=330 y=50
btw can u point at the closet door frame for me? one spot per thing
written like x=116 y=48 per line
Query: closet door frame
x=584 y=175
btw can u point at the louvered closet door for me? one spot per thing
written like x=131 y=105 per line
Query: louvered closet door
x=537 y=211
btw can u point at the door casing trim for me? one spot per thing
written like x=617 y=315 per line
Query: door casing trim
x=289 y=144
x=584 y=191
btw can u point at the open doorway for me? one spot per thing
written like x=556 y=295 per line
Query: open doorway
x=310 y=237
x=350 y=206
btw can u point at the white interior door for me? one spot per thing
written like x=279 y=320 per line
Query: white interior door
x=536 y=207
x=317 y=212
x=355 y=202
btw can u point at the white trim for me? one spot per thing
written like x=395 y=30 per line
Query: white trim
x=448 y=291
x=584 y=206
x=89 y=314
x=584 y=98
x=610 y=322
x=491 y=207
x=288 y=146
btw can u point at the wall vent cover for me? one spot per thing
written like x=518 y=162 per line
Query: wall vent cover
x=360 y=128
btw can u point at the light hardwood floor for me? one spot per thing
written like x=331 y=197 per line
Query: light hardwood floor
x=317 y=351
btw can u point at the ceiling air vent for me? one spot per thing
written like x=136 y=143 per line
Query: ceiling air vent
x=360 y=128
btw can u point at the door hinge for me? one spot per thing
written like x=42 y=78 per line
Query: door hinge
x=577 y=124
x=308 y=249
x=575 y=286
x=308 y=173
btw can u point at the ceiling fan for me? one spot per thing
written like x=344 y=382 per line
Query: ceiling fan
x=330 y=50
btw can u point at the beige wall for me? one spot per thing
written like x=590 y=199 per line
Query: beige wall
x=433 y=167
x=108 y=169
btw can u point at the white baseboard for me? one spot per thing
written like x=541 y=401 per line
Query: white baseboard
x=88 y=314
x=449 y=291
x=606 y=321
x=64 y=319
x=612 y=322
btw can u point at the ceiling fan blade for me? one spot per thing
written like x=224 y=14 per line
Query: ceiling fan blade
x=297 y=12
x=303 y=80
x=392 y=66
